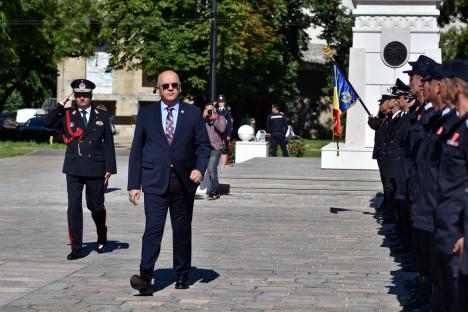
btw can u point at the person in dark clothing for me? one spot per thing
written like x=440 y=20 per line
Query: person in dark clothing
x=379 y=123
x=89 y=161
x=277 y=126
x=225 y=111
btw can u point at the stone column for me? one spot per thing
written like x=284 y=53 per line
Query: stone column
x=386 y=35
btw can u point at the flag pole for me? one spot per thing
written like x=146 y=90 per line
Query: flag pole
x=329 y=53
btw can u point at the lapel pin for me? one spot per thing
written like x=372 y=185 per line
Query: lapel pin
x=182 y=111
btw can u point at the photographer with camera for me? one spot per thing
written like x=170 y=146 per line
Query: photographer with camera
x=216 y=126
x=225 y=110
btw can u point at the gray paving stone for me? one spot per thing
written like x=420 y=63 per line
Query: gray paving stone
x=289 y=237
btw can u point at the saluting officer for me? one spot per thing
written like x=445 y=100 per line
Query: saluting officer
x=277 y=125
x=379 y=124
x=89 y=160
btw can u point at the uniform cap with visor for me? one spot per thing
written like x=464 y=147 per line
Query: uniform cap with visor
x=82 y=86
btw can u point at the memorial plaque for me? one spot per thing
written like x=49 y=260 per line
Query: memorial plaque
x=395 y=53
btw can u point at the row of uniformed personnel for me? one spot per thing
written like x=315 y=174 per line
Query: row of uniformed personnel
x=421 y=146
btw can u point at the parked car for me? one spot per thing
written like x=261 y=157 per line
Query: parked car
x=34 y=129
x=24 y=114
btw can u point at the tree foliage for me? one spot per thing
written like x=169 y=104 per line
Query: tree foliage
x=454 y=41
x=259 y=44
x=336 y=22
x=26 y=70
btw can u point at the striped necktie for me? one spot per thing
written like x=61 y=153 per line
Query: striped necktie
x=169 y=125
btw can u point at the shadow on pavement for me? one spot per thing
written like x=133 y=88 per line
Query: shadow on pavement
x=112 y=189
x=403 y=277
x=110 y=247
x=166 y=277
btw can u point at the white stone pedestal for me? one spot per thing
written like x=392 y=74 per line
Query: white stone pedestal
x=348 y=158
x=375 y=64
x=248 y=150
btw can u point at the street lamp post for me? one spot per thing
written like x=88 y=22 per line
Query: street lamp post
x=213 y=43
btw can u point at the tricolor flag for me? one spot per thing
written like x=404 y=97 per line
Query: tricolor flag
x=343 y=97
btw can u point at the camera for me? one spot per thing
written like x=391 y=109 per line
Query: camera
x=209 y=113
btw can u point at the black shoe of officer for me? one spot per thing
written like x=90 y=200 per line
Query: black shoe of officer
x=102 y=241
x=182 y=281
x=414 y=284
x=416 y=303
x=410 y=267
x=142 y=285
x=74 y=254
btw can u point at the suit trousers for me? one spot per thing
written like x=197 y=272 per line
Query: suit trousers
x=180 y=205
x=95 y=203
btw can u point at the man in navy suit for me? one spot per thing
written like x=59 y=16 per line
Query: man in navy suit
x=89 y=160
x=170 y=152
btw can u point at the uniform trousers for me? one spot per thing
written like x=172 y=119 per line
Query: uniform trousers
x=94 y=201
x=448 y=270
x=462 y=291
x=278 y=139
x=180 y=205
x=423 y=244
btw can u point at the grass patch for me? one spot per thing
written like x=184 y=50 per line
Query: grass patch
x=312 y=147
x=10 y=148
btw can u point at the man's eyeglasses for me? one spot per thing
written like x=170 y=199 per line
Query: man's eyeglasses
x=173 y=85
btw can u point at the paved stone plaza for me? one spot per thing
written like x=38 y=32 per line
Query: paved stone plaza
x=288 y=237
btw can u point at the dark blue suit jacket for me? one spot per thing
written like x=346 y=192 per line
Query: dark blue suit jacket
x=151 y=155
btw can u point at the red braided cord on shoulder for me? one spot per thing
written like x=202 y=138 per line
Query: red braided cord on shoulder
x=77 y=134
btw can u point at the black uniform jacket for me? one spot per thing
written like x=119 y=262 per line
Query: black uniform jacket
x=379 y=123
x=424 y=202
x=277 y=123
x=394 y=139
x=452 y=183
x=93 y=155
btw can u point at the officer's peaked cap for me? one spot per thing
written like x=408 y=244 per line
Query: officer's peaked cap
x=400 y=88
x=420 y=66
x=82 y=86
x=434 y=72
x=385 y=97
x=457 y=68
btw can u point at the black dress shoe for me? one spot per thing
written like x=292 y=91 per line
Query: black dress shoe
x=142 y=285
x=182 y=281
x=74 y=254
x=102 y=241
x=101 y=248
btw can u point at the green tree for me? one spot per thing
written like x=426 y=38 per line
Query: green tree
x=27 y=72
x=454 y=40
x=337 y=22
x=34 y=36
x=259 y=44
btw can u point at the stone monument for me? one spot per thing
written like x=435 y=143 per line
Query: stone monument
x=386 y=35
